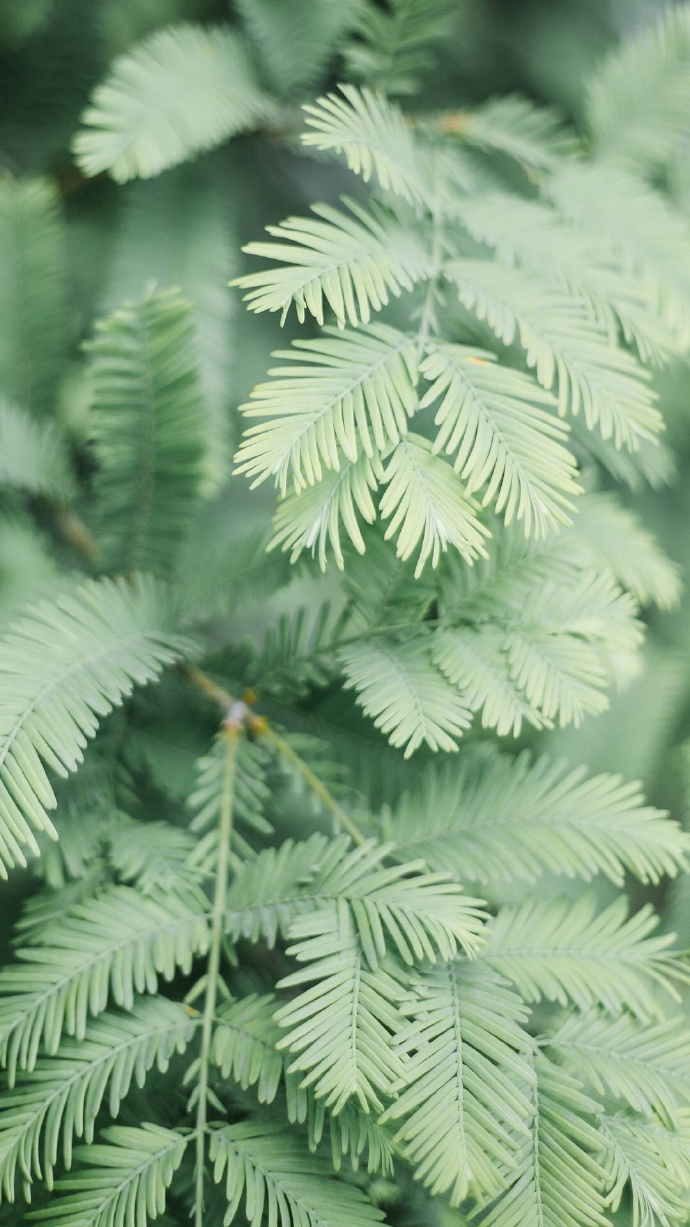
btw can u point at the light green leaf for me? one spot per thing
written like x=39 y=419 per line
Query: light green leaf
x=426 y=500
x=401 y=690
x=64 y=666
x=353 y=261
x=352 y=393
x=183 y=90
x=272 y=1171
x=491 y=418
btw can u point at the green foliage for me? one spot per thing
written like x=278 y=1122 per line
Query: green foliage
x=32 y=288
x=244 y=919
x=182 y=91
x=148 y=427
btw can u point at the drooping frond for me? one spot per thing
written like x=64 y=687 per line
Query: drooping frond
x=183 y=90
x=351 y=392
x=428 y=506
x=148 y=423
x=33 y=307
x=405 y=694
x=353 y=261
x=390 y=47
x=61 y=1098
x=339 y=1030
x=638 y=99
x=115 y=945
x=616 y=540
x=371 y=133
x=400 y=909
x=127 y=1184
x=566 y=347
x=466 y=1107
x=554 y=647
x=589 y=265
x=654 y=1161
x=33 y=457
x=646 y=1065
x=490 y=418
x=532 y=135
x=313 y=518
x=294 y=41
x=474 y=661
x=244 y=1045
x=65 y=665
x=563 y=950
x=360 y=1138
x=645 y=236
x=492 y=817
x=262 y=900
x=560 y=1179
x=272 y=1172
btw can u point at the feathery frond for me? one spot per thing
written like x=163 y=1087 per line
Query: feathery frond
x=115 y=945
x=491 y=816
x=183 y=90
x=560 y=1178
x=354 y=261
x=474 y=661
x=390 y=47
x=245 y=1042
x=563 y=950
x=531 y=135
x=312 y=519
x=616 y=539
x=655 y=1162
x=273 y=1172
x=371 y=133
x=425 y=499
x=645 y=1065
x=352 y=390
x=400 y=909
x=404 y=694
x=295 y=42
x=175 y=231
x=589 y=264
x=465 y=1107
x=33 y=457
x=565 y=346
x=490 y=417
x=33 y=306
x=127 y=1185
x=262 y=899
x=63 y=1096
x=339 y=1030
x=643 y=233
x=65 y=665
x=149 y=429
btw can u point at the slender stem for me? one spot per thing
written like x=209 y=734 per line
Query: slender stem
x=213 y=965
x=204 y=683
x=74 y=531
x=317 y=786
